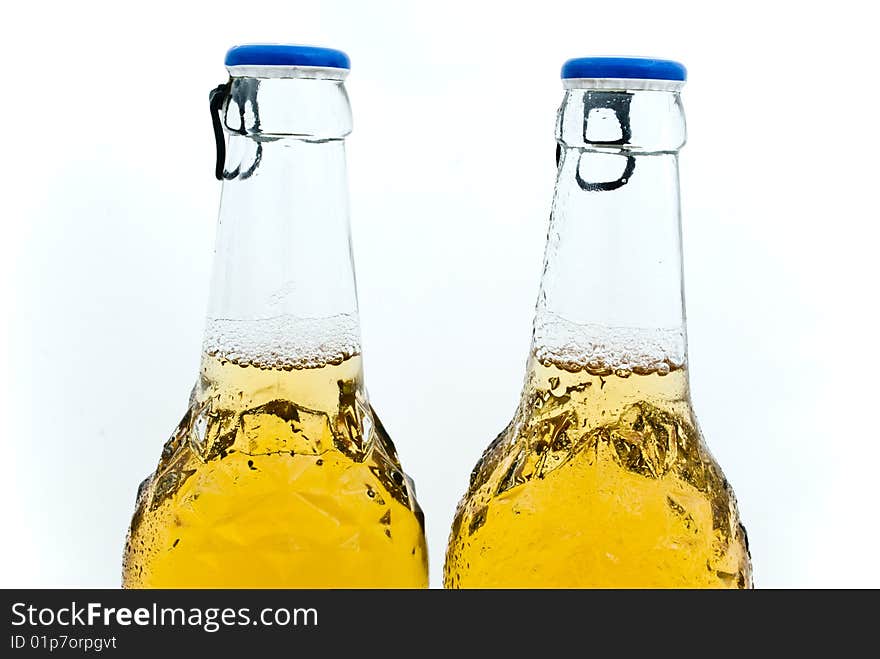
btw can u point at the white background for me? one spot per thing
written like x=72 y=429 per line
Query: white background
x=109 y=208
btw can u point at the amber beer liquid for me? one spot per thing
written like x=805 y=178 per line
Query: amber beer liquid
x=603 y=478
x=280 y=474
x=276 y=477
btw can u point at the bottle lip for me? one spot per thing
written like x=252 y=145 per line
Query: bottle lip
x=287 y=71
x=623 y=84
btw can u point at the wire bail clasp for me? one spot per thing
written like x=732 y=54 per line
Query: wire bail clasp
x=217 y=98
x=243 y=93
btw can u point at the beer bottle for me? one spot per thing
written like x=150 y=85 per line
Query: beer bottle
x=603 y=479
x=280 y=473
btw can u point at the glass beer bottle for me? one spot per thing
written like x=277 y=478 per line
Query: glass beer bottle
x=280 y=473
x=602 y=479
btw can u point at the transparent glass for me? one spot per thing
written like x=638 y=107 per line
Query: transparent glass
x=280 y=473
x=602 y=479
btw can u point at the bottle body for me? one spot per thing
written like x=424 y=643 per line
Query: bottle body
x=603 y=479
x=277 y=479
x=600 y=481
x=280 y=474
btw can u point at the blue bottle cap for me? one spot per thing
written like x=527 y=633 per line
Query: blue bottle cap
x=642 y=68
x=286 y=55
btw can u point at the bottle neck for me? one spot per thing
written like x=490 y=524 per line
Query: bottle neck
x=611 y=295
x=283 y=290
